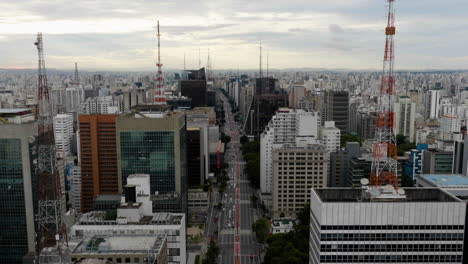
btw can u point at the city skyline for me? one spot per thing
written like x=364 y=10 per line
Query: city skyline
x=296 y=34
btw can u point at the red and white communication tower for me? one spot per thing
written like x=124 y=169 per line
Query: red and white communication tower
x=159 y=98
x=384 y=149
x=51 y=198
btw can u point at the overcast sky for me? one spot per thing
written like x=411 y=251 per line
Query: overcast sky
x=120 y=34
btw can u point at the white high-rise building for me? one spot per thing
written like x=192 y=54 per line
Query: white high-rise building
x=413 y=225
x=432 y=104
x=405 y=113
x=330 y=136
x=283 y=128
x=63 y=131
x=76 y=188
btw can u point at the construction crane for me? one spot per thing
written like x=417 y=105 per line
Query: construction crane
x=51 y=199
x=384 y=149
x=159 y=98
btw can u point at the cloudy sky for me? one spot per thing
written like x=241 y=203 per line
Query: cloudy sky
x=120 y=34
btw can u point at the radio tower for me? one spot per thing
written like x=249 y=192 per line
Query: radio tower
x=51 y=205
x=77 y=78
x=384 y=149
x=159 y=98
x=208 y=67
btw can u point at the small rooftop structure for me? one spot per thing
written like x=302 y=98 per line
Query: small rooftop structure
x=121 y=244
x=411 y=195
x=16 y=115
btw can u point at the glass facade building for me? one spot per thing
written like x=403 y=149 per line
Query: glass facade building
x=155 y=144
x=149 y=152
x=13 y=212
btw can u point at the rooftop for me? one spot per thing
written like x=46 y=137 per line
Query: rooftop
x=120 y=244
x=100 y=218
x=445 y=180
x=343 y=195
x=14 y=110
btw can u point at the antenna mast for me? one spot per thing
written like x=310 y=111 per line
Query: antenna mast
x=261 y=73
x=51 y=203
x=159 y=98
x=77 y=79
x=208 y=67
x=384 y=150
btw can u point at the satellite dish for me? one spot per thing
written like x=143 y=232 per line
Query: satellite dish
x=389 y=187
x=401 y=191
x=374 y=192
x=31 y=139
x=364 y=181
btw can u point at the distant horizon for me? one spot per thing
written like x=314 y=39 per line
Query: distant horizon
x=304 y=69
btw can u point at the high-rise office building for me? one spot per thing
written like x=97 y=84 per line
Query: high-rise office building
x=195 y=87
x=432 y=104
x=155 y=144
x=336 y=108
x=296 y=169
x=98 y=156
x=63 y=132
x=17 y=191
x=339 y=164
x=436 y=161
x=195 y=158
x=267 y=99
x=283 y=128
x=423 y=225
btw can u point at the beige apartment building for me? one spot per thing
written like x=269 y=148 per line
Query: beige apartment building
x=296 y=169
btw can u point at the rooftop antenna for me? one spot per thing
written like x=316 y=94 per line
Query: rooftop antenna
x=268 y=58
x=77 y=79
x=159 y=98
x=184 y=62
x=208 y=66
x=261 y=73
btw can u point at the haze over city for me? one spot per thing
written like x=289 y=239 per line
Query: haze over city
x=120 y=35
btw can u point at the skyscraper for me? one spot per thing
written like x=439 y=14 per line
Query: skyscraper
x=336 y=108
x=418 y=225
x=195 y=87
x=98 y=156
x=18 y=191
x=405 y=113
x=155 y=144
x=63 y=132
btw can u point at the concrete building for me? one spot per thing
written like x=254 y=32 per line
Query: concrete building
x=423 y=225
x=405 y=113
x=135 y=218
x=195 y=87
x=16 y=115
x=449 y=125
x=432 y=104
x=283 y=128
x=17 y=189
x=98 y=157
x=63 y=132
x=296 y=169
x=455 y=184
x=336 y=108
x=198 y=200
x=75 y=190
x=126 y=249
x=366 y=120
x=155 y=144
x=103 y=105
x=339 y=164
x=282 y=225
x=330 y=136
x=436 y=161
x=359 y=167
